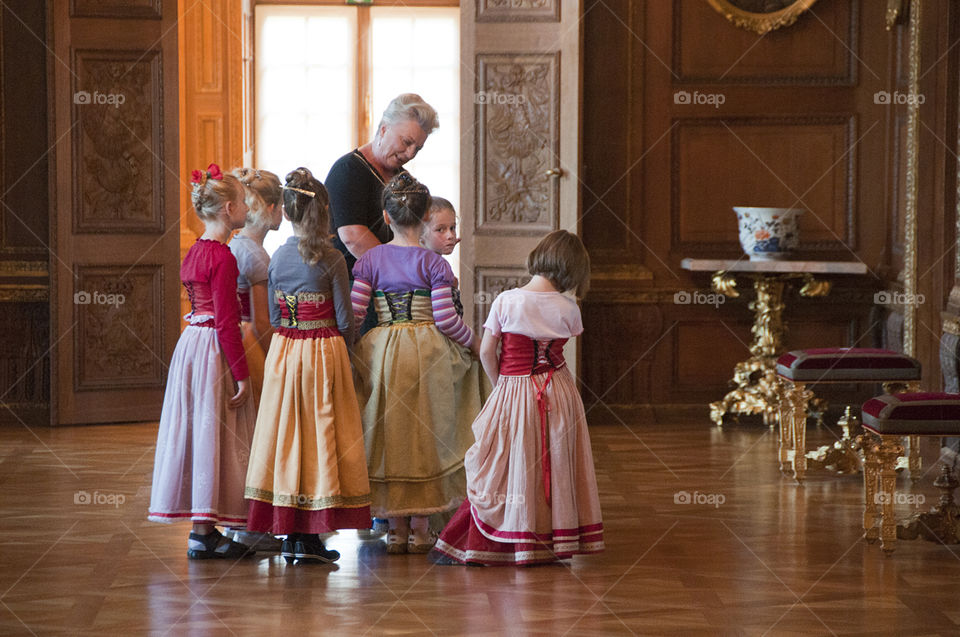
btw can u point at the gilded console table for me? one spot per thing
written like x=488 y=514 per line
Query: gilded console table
x=756 y=387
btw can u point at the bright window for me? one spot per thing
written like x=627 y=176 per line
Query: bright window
x=309 y=75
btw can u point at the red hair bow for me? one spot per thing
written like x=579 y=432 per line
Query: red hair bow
x=201 y=176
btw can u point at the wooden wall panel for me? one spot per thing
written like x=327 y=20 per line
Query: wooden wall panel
x=685 y=116
x=820 y=48
x=24 y=224
x=518 y=127
x=114 y=208
x=117 y=140
x=783 y=162
x=116 y=347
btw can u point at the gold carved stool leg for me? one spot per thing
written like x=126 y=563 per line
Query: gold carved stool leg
x=800 y=396
x=913 y=458
x=871 y=475
x=890 y=449
x=913 y=463
x=786 y=427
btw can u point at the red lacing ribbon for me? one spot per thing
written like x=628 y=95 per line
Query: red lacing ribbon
x=543 y=407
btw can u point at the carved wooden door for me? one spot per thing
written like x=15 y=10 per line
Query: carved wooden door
x=115 y=207
x=520 y=147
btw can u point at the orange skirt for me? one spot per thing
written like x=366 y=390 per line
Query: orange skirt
x=255 y=361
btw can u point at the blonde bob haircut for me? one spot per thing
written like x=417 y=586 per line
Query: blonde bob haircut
x=562 y=259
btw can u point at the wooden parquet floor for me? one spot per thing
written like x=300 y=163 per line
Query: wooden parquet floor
x=756 y=556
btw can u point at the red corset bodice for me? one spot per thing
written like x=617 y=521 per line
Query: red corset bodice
x=245 y=312
x=524 y=356
x=306 y=315
x=201 y=298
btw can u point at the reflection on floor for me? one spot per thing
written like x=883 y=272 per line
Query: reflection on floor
x=703 y=537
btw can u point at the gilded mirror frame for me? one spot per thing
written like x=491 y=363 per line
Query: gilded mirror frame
x=760 y=22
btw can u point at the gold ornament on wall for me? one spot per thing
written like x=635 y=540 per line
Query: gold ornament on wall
x=761 y=16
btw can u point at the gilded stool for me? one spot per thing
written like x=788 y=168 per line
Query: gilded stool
x=887 y=419
x=800 y=368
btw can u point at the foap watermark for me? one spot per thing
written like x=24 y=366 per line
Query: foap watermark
x=100 y=99
x=696 y=297
x=686 y=97
x=898 y=97
x=889 y=297
x=501 y=498
x=98 y=298
x=910 y=499
x=84 y=498
x=501 y=99
x=484 y=298
x=685 y=497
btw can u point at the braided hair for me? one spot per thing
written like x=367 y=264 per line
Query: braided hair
x=262 y=189
x=406 y=200
x=209 y=195
x=307 y=204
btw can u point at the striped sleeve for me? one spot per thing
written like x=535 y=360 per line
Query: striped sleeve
x=360 y=299
x=446 y=318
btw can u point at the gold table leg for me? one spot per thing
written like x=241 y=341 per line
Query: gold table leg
x=843 y=455
x=942 y=523
x=757 y=388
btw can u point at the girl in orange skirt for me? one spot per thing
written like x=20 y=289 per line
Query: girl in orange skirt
x=264 y=213
x=308 y=472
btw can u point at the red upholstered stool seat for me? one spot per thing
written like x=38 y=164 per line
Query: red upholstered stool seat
x=891 y=417
x=799 y=368
x=848 y=364
x=921 y=414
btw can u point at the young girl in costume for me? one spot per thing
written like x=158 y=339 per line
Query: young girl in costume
x=531 y=488
x=207 y=419
x=417 y=386
x=264 y=213
x=308 y=472
x=439 y=233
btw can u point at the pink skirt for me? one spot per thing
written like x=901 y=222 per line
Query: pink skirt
x=202 y=445
x=507 y=518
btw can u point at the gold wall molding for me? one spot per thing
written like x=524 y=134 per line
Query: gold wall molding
x=910 y=214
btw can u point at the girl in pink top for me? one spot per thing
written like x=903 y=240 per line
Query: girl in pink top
x=531 y=489
x=207 y=419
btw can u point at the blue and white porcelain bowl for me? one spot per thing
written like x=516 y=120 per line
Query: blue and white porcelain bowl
x=768 y=233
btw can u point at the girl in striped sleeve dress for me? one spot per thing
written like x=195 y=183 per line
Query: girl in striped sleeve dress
x=417 y=388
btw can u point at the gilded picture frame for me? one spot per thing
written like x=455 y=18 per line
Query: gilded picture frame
x=761 y=16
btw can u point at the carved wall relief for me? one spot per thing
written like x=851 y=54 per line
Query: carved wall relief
x=517 y=114
x=118 y=142
x=488 y=283
x=518 y=11
x=118 y=339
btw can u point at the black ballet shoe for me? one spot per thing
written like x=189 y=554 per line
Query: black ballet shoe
x=214 y=545
x=310 y=549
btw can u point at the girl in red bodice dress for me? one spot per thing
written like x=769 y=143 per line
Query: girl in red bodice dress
x=531 y=488
x=207 y=420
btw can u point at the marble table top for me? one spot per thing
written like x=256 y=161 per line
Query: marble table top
x=745 y=265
